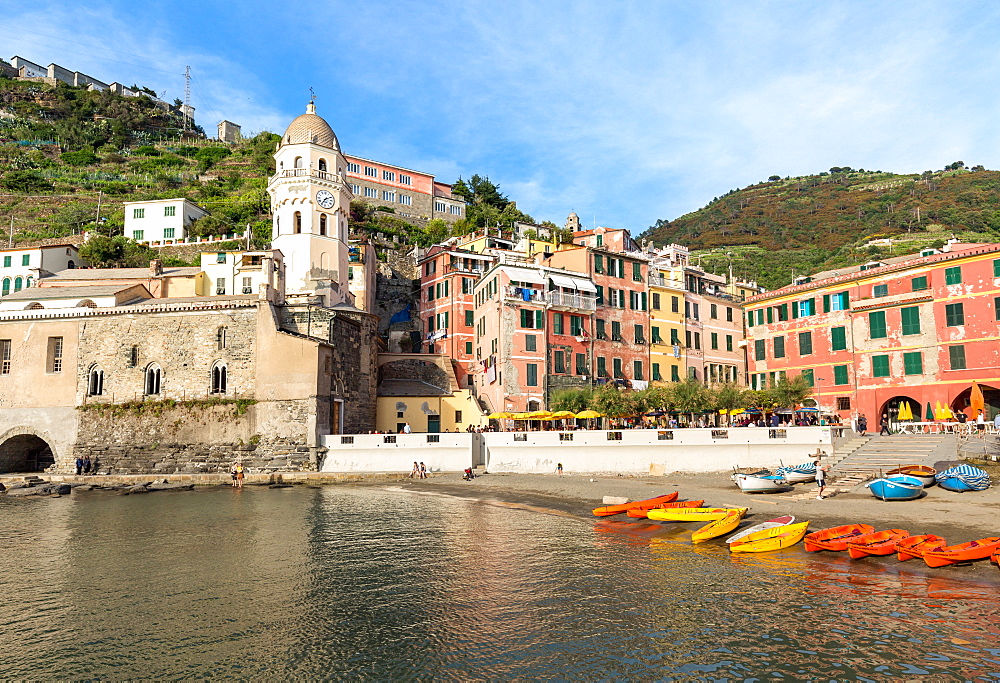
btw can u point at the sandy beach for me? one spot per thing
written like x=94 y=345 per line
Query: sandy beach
x=955 y=516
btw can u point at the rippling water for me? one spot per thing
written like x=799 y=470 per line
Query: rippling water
x=372 y=583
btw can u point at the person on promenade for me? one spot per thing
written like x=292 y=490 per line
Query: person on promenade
x=885 y=426
x=86 y=464
x=559 y=468
x=981 y=422
x=423 y=471
x=79 y=466
x=996 y=422
x=406 y=428
x=820 y=479
x=415 y=473
x=862 y=425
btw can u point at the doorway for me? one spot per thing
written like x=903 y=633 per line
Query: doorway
x=433 y=424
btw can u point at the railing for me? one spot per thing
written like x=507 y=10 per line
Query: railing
x=305 y=173
x=580 y=301
x=171 y=242
x=659 y=281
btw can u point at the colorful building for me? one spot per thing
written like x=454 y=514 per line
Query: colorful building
x=666 y=315
x=409 y=193
x=916 y=329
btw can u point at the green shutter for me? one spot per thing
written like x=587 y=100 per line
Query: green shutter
x=876 y=325
x=956 y=357
x=953 y=276
x=598 y=263
x=468 y=318
x=600 y=294
x=644 y=301
x=840 y=374
x=838 y=336
x=539 y=320
x=807 y=374
x=913 y=363
x=996 y=267
x=911 y=320
x=918 y=283
x=779 y=347
x=805 y=343
x=770 y=315
x=795 y=310
x=760 y=350
x=826 y=303
x=749 y=318
x=880 y=366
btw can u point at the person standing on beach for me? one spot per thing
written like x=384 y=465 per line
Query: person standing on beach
x=559 y=468
x=239 y=475
x=820 y=479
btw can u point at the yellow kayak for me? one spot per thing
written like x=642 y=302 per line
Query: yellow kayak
x=719 y=527
x=692 y=514
x=771 y=539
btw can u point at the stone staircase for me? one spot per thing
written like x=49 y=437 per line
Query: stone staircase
x=883 y=453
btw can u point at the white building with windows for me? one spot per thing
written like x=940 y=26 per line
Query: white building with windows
x=243 y=272
x=21 y=267
x=160 y=221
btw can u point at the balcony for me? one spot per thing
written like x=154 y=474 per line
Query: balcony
x=305 y=173
x=582 y=302
x=474 y=270
x=665 y=282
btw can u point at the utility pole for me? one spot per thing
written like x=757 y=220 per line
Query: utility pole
x=100 y=196
x=10 y=233
x=187 y=97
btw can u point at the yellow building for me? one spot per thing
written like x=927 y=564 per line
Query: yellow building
x=666 y=323
x=421 y=390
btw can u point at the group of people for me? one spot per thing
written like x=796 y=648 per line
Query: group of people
x=419 y=471
x=238 y=472
x=84 y=465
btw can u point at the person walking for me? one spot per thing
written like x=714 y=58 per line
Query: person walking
x=406 y=428
x=820 y=479
x=862 y=425
x=885 y=426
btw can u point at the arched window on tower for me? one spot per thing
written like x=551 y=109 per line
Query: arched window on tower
x=220 y=377
x=154 y=379
x=322 y=165
x=298 y=162
x=298 y=222
x=322 y=224
x=18 y=284
x=95 y=381
x=6 y=287
x=222 y=338
x=27 y=282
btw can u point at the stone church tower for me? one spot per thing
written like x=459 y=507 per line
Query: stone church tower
x=311 y=203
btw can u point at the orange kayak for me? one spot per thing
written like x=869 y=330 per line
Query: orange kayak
x=836 y=538
x=878 y=543
x=650 y=503
x=642 y=513
x=914 y=546
x=964 y=552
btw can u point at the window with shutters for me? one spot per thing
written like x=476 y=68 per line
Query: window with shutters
x=808 y=376
x=616 y=364
x=913 y=363
x=840 y=374
x=532 y=371
x=715 y=341
x=876 y=325
x=954 y=315
x=918 y=283
x=557 y=323
x=911 y=320
x=575 y=325
x=729 y=342
x=838 y=338
x=640 y=334
x=637 y=271
x=656 y=372
x=559 y=362
x=601 y=330
x=602 y=366
x=530 y=342
x=880 y=290
x=656 y=301
x=779 y=346
x=675 y=304
x=581 y=364
x=616 y=331
x=469 y=318
x=675 y=373
x=760 y=349
x=637 y=370
x=953 y=276
x=805 y=343
x=713 y=312
x=599 y=263
x=956 y=357
x=880 y=365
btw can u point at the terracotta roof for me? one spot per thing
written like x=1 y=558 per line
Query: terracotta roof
x=46 y=293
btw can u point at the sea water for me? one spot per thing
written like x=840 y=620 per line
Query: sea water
x=375 y=583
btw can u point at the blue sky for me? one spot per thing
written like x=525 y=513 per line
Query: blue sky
x=624 y=112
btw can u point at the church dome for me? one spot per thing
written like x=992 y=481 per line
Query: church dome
x=310 y=127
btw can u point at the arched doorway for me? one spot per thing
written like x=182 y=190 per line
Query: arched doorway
x=991 y=397
x=891 y=408
x=25 y=453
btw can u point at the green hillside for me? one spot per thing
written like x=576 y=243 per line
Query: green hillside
x=774 y=230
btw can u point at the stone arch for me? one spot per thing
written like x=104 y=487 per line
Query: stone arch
x=24 y=449
x=86 y=303
x=322 y=164
x=891 y=407
x=33 y=306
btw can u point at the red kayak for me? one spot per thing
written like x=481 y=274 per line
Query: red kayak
x=642 y=513
x=964 y=552
x=914 y=546
x=609 y=510
x=836 y=538
x=878 y=543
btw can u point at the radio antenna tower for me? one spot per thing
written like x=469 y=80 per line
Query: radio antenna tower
x=187 y=98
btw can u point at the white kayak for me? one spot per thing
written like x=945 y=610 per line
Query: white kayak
x=750 y=483
x=769 y=524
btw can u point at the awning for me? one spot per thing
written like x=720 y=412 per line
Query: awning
x=563 y=281
x=525 y=275
x=584 y=285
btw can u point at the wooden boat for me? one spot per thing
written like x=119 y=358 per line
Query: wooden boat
x=769 y=524
x=924 y=473
x=896 y=487
x=962 y=478
x=963 y=552
x=878 y=543
x=798 y=474
x=641 y=513
x=776 y=538
x=758 y=483
x=691 y=514
x=609 y=510
x=719 y=527
x=914 y=546
x=835 y=538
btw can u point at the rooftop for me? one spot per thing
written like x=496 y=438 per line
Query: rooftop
x=45 y=294
x=73 y=274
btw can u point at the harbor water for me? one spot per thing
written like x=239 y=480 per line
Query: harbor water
x=377 y=583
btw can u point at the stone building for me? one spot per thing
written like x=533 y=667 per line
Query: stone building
x=145 y=371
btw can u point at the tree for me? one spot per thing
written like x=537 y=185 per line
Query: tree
x=487 y=206
x=115 y=252
x=774 y=177
x=789 y=393
x=83 y=157
x=573 y=400
x=691 y=396
x=25 y=181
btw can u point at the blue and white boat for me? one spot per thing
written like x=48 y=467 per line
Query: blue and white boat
x=963 y=478
x=896 y=487
x=798 y=474
x=759 y=483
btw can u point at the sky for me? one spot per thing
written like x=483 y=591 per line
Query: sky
x=625 y=112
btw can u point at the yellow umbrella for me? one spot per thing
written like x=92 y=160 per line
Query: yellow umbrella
x=499 y=416
x=522 y=416
x=938 y=411
x=905 y=413
x=587 y=414
x=560 y=414
x=723 y=412
x=541 y=415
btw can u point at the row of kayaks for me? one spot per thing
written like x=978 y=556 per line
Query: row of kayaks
x=908 y=482
x=859 y=540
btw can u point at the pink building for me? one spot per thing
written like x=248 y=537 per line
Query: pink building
x=409 y=193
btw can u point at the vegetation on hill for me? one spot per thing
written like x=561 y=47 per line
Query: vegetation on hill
x=779 y=228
